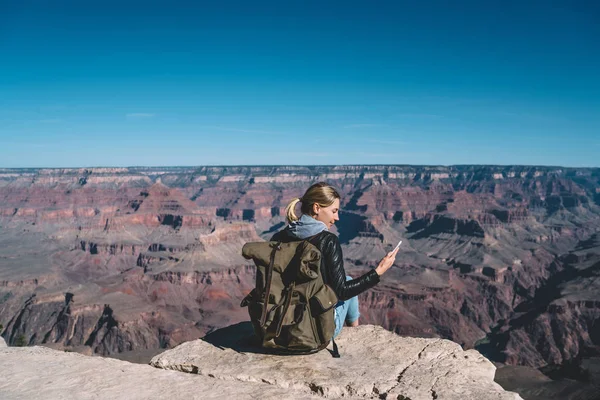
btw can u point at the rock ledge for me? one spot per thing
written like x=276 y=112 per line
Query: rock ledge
x=375 y=363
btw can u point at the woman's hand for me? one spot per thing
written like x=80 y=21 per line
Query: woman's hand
x=386 y=262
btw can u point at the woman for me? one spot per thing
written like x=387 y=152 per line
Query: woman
x=320 y=207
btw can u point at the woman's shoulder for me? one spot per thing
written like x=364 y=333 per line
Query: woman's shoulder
x=282 y=236
x=277 y=236
x=324 y=237
x=330 y=236
x=327 y=239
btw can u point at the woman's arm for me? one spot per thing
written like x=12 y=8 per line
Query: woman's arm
x=336 y=276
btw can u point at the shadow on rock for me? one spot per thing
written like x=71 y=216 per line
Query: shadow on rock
x=239 y=337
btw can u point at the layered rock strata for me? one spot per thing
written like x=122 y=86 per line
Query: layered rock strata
x=113 y=260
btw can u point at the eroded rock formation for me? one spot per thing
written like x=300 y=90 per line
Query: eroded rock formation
x=150 y=257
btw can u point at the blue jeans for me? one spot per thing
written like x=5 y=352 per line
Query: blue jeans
x=346 y=311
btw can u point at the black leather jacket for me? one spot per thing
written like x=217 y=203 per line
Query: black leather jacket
x=332 y=264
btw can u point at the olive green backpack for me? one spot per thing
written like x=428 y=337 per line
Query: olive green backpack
x=291 y=309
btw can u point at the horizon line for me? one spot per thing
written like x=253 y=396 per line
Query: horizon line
x=305 y=165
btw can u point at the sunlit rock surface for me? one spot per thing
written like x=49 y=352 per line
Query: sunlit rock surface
x=374 y=363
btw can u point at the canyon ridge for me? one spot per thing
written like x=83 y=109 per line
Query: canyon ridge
x=127 y=262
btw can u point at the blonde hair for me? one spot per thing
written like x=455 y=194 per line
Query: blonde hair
x=320 y=193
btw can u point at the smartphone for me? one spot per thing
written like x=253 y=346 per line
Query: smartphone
x=397 y=246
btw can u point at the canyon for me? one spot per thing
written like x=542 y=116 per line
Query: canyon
x=128 y=262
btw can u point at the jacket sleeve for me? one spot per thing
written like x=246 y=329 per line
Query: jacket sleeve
x=336 y=276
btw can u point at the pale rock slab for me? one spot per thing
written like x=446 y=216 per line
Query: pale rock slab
x=375 y=363
x=30 y=373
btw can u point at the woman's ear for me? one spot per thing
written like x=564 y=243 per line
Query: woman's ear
x=316 y=208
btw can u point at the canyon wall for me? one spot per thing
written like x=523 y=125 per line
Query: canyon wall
x=119 y=260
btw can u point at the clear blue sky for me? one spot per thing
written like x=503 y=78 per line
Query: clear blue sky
x=104 y=83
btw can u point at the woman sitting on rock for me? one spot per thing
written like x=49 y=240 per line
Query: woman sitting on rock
x=320 y=207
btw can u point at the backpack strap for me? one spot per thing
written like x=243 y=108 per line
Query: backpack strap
x=335 y=353
x=268 y=281
x=288 y=300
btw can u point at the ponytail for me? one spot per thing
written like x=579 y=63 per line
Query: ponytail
x=290 y=215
